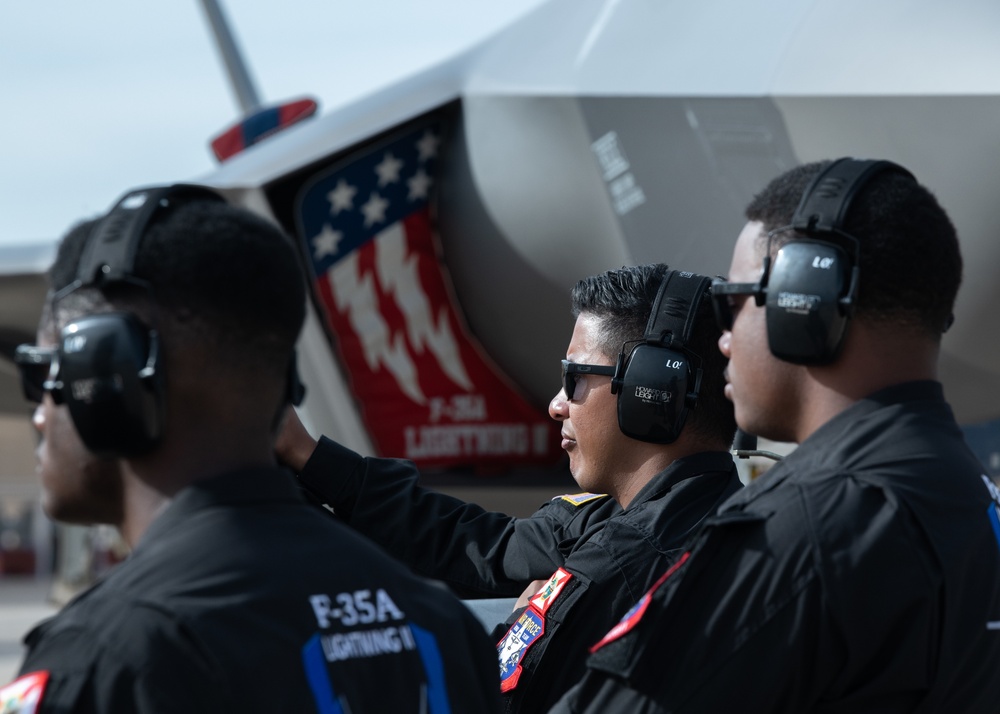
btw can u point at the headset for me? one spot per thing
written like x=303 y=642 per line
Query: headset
x=108 y=368
x=656 y=382
x=810 y=287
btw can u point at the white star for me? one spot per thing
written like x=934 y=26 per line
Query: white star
x=428 y=145
x=419 y=185
x=374 y=210
x=388 y=170
x=342 y=197
x=326 y=241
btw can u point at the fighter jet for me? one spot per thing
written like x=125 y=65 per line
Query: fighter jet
x=443 y=220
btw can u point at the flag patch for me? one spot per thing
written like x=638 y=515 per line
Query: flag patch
x=544 y=598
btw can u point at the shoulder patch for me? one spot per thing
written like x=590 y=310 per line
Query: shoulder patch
x=530 y=626
x=634 y=615
x=23 y=695
x=578 y=499
x=514 y=645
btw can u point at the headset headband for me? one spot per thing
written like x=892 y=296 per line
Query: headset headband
x=825 y=202
x=673 y=316
x=110 y=253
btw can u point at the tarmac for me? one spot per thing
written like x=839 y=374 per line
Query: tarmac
x=24 y=601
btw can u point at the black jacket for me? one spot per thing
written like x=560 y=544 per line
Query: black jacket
x=861 y=574
x=242 y=597
x=601 y=558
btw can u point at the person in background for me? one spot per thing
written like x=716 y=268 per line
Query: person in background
x=163 y=367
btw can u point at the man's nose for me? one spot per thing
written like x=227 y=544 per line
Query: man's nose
x=559 y=406
x=725 y=340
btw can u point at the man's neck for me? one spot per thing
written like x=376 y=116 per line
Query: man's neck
x=142 y=505
x=659 y=460
x=870 y=361
x=184 y=457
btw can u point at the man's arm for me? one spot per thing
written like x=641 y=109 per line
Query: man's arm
x=600 y=694
x=477 y=552
x=543 y=648
x=697 y=642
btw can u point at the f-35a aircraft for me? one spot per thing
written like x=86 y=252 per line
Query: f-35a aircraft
x=444 y=220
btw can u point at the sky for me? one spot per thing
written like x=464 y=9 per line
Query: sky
x=102 y=96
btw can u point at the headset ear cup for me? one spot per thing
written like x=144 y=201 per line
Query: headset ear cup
x=113 y=383
x=652 y=404
x=807 y=302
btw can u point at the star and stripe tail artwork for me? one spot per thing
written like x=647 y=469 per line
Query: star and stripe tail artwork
x=425 y=387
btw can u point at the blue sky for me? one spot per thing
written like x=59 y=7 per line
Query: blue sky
x=102 y=96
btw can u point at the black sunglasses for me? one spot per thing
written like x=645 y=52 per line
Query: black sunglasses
x=571 y=369
x=38 y=367
x=723 y=293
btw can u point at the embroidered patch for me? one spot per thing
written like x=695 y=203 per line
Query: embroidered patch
x=632 y=617
x=550 y=591
x=23 y=695
x=578 y=499
x=514 y=645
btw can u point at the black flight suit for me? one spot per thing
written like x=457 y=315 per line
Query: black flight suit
x=859 y=575
x=242 y=597
x=601 y=559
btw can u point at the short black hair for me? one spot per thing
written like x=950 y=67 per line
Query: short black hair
x=234 y=278
x=910 y=264
x=622 y=299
